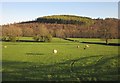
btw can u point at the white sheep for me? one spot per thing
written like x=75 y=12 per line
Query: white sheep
x=78 y=46
x=5 y=46
x=87 y=46
x=54 y=51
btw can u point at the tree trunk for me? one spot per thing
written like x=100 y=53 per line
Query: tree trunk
x=107 y=41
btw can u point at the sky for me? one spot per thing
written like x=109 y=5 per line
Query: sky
x=11 y=12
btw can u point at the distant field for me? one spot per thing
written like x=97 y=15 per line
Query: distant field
x=24 y=61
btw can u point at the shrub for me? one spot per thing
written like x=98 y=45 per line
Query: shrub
x=4 y=38
x=48 y=38
x=36 y=38
x=13 y=39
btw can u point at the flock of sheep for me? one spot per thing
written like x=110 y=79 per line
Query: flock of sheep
x=86 y=46
x=55 y=51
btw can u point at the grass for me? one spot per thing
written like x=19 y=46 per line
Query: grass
x=95 y=40
x=23 y=61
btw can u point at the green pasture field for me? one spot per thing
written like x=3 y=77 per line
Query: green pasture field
x=35 y=61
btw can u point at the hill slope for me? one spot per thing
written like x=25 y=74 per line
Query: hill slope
x=68 y=26
x=64 y=19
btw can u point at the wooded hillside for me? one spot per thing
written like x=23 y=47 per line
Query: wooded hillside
x=65 y=26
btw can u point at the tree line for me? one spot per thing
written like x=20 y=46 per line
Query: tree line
x=40 y=31
x=63 y=19
x=13 y=32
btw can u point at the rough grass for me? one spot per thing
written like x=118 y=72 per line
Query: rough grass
x=23 y=61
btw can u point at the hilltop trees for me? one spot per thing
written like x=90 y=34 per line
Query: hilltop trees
x=65 y=19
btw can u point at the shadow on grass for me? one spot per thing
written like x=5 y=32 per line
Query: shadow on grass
x=34 y=54
x=100 y=43
x=64 y=71
x=110 y=44
x=21 y=41
x=71 y=40
x=102 y=69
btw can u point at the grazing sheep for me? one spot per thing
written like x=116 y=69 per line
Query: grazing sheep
x=5 y=46
x=54 y=51
x=87 y=46
x=84 y=48
x=78 y=46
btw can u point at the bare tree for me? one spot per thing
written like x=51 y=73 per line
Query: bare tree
x=107 y=30
x=41 y=34
x=27 y=32
x=11 y=33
